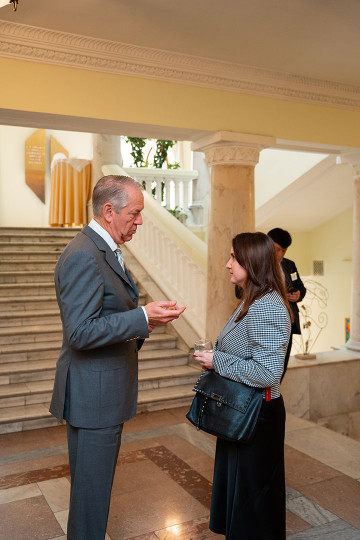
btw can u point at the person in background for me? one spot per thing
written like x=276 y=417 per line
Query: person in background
x=248 y=497
x=294 y=286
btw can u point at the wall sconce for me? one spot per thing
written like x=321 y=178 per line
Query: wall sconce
x=7 y=2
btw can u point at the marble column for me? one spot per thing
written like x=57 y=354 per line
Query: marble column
x=200 y=195
x=354 y=341
x=106 y=151
x=231 y=211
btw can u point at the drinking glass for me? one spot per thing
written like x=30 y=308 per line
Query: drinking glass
x=203 y=344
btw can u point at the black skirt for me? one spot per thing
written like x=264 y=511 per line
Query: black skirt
x=248 y=497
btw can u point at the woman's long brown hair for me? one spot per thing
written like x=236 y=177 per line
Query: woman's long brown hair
x=256 y=253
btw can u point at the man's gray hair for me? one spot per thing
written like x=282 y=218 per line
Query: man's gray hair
x=112 y=189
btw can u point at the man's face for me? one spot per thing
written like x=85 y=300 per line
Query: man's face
x=280 y=252
x=124 y=224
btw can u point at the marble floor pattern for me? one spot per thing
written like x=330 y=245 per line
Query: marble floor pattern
x=162 y=486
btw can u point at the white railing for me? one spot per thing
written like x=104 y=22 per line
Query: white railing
x=175 y=259
x=173 y=187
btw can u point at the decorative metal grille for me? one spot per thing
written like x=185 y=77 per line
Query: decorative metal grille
x=313 y=318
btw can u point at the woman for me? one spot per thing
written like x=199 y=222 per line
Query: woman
x=248 y=498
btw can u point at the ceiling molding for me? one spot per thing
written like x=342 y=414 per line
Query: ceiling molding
x=61 y=48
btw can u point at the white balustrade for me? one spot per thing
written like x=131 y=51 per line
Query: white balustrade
x=174 y=258
x=172 y=186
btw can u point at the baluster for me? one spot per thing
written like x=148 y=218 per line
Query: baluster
x=148 y=183
x=158 y=191
x=185 y=196
x=177 y=194
x=167 y=193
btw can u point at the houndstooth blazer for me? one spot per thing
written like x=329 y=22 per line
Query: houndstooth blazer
x=253 y=350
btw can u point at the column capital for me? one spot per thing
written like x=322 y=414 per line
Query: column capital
x=228 y=148
x=353 y=159
x=231 y=154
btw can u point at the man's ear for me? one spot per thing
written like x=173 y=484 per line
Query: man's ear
x=108 y=212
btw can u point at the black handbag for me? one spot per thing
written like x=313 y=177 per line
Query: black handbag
x=225 y=408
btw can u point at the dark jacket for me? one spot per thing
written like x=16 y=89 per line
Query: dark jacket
x=293 y=281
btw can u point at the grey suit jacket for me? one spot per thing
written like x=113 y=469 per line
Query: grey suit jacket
x=103 y=329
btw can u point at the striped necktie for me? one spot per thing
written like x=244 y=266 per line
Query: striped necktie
x=120 y=257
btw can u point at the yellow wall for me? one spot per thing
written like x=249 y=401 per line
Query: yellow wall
x=300 y=251
x=44 y=88
x=332 y=243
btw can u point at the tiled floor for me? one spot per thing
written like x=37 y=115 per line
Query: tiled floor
x=162 y=486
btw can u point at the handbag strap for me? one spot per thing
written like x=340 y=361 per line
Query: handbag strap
x=268 y=394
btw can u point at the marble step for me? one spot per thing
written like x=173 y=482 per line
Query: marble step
x=31 y=265
x=33 y=237
x=30 y=334
x=35 y=416
x=30 y=371
x=23 y=303
x=166 y=377
x=19 y=352
x=26 y=276
x=33 y=392
x=159 y=358
x=27 y=417
x=26 y=289
x=38 y=232
x=165 y=398
x=26 y=393
x=8 y=256
x=55 y=245
x=28 y=318
x=44 y=369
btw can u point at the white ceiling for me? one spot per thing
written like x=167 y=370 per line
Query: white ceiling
x=318 y=195
x=308 y=38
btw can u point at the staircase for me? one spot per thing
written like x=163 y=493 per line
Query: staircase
x=31 y=336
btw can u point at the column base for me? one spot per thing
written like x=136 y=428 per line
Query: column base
x=353 y=345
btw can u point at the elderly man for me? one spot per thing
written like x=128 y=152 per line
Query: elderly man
x=295 y=288
x=96 y=380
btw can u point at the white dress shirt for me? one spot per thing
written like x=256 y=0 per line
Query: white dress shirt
x=94 y=225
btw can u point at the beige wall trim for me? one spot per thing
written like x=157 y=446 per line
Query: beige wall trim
x=231 y=155
x=60 y=48
x=12 y=117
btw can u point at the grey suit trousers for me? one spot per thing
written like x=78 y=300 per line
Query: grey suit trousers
x=93 y=455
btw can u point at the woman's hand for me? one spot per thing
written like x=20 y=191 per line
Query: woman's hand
x=205 y=359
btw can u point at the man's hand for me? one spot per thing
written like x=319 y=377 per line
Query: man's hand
x=151 y=327
x=162 y=312
x=294 y=297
